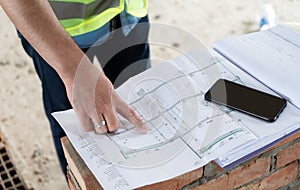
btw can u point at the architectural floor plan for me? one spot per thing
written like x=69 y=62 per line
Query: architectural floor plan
x=185 y=131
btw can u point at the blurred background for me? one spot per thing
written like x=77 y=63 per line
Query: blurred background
x=22 y=119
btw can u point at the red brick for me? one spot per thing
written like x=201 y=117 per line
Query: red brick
x=251 y=186
x=218 y=168
x=251 y=171
x=281 y=177
x=212 y=169
x=297 y=188
x=86 y=179
x=220 y=182
x=177 y=182
x=288 y=155
x=71 y=183
x=276 y=180
x=285 y=140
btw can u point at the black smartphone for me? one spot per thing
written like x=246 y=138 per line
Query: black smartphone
x=248 y=100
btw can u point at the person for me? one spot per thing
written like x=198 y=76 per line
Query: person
x=62 y=37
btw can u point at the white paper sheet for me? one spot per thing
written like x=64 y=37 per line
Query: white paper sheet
x=186 y=132
x=268 y=57
x=272 y=57
x=267 y=133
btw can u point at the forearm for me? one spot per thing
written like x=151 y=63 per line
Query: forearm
x=36 y=20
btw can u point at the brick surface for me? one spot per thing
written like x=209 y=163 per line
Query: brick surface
x=212 y=169
x=251 y=186
x=220 y=182
x=71 y=183
x=243 y=174
x=81 y=172
x=249 y=172
x=176 y=183
x=87 y=180
x=288 y=155
x=276 y=180
x=285 y=141
x=281 y=177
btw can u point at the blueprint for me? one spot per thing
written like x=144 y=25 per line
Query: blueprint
x=185 y=131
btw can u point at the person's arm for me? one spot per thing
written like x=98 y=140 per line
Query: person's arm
x=89 y=91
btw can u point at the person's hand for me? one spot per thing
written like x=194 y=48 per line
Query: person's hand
x=96 y=102
x=89 y=91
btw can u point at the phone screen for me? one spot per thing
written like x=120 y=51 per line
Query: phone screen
x=253 y=102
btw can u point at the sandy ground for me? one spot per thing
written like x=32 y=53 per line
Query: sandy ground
x=22 y=118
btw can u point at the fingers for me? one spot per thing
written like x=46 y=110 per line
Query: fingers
x=100 y=103
x=84 y=120
x=91 y=92
x=105 y=119
x=103 y=104
x=137 y=121
x=111 y=119
x=99 y=124
x=128 y=113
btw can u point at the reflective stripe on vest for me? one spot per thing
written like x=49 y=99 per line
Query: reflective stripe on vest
x=82 y=16
x=137 y=8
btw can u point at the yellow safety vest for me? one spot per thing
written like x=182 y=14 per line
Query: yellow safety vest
x=82 y=16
